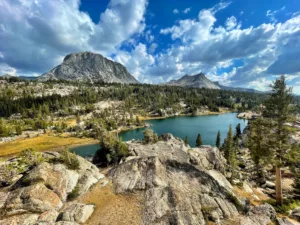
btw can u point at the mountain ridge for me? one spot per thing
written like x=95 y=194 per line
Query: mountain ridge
x=197 y=81
x=201 y=81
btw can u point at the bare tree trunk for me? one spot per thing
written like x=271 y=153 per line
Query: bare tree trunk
x=278 y=186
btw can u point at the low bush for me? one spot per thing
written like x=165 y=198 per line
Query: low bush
x=74 y=194
x=111 y=151
x=69 y=159
x=30 y=158
x=150 y=137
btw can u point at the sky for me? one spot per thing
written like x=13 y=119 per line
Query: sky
x=238 y=43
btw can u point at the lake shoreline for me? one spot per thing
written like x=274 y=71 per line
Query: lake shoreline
x=182 y=126
x=146 y=118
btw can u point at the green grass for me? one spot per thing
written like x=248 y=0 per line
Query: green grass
x=288 y=205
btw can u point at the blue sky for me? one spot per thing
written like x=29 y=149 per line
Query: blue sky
x=238 y=43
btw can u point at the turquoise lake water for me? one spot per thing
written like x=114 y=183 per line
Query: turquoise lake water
x=182 y=126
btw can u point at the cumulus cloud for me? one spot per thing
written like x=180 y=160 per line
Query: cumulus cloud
x=230 y=23
x=37 y=34
x=136 y=61
x=271 y=14
x=152 y=48
x=187 y=10
x=175 y=11
x=265 y=50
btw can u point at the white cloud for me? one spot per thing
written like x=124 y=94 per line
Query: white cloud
x=264 y=50
x=37 y=34
x=152 y=48
x=192 y=30
x=230 y=23
x=6 y=69
x=272 y=13
x=175 y=11
x=187 y=10
x=136 y=61
x=221 y=5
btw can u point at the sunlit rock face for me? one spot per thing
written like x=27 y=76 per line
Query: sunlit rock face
x=91 y=67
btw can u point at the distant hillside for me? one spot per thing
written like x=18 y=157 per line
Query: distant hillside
x=198 y=81
x=201 y=81
x=87 y=66
x=7 y=76
x=235 y=88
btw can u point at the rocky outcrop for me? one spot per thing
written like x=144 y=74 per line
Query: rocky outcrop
x=260 y=215
x=91 y=67
x=181 y=185
x=39 y=196
x=295 y=214
x=247 y=115
x=78 y=213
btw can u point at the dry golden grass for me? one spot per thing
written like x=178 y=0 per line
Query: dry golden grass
x=42 y=143
x=112 y=209
x=71 y=122
x=240 y=192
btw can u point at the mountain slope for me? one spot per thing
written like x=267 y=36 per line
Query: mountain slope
x=235 y=88
x=198 y=81
x=87 y=66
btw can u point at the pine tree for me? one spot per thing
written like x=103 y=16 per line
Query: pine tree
x=279 y=110
x=199 y=140
x=218 y=140
x=186 y=141
x=258 y=144
x=238 y=132
x=233 y=157
x=19 y=129
x=230 y=152
x=228 y=144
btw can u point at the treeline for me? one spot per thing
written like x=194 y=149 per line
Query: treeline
x=141 y=97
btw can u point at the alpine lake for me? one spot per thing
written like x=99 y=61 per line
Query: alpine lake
x=180 y=126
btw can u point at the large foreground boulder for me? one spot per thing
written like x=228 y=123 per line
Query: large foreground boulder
x=181 y=185
x=39 y=195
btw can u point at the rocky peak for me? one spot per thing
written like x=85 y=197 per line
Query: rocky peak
x=88 y=66
x=199 y=80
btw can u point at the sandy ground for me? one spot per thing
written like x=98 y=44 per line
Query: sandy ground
x=112 y=209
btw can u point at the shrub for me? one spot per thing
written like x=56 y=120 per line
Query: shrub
x=74 y=194
x=150 y=136
x=112 y=150
x=7 y=173
x=30 y=158
x=69 y=159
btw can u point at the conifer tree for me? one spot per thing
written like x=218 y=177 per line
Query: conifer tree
x=228 y=144
x=199 y=140
x=186 y=141
x=279 y=111
x=258 y=144
x=230 y=153
x=238 y=132
x=218 y=140
x=18 y=129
